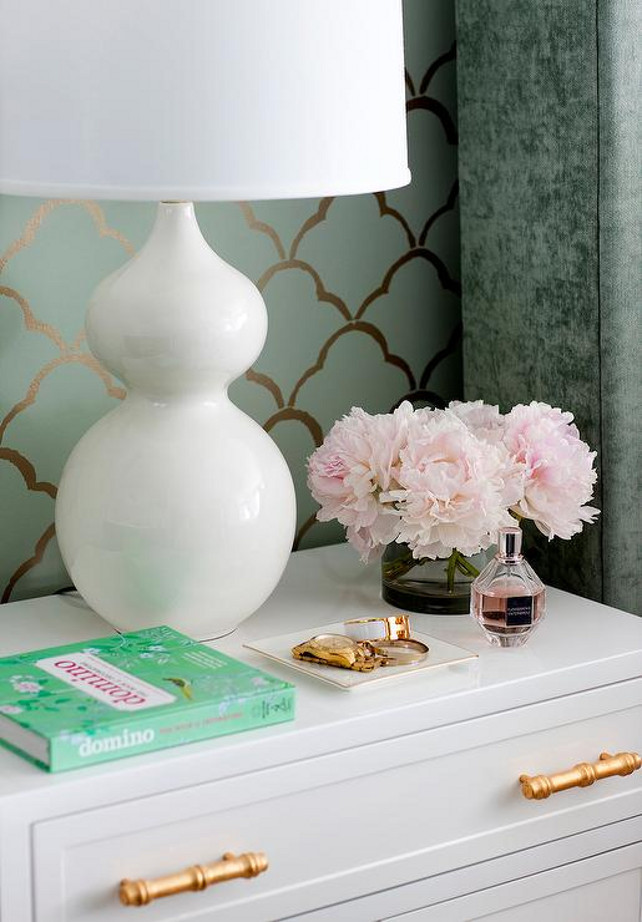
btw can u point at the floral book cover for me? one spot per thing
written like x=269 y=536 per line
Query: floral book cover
x=65 y=707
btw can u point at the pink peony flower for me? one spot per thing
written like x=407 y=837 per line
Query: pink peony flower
x=558 y=474
x=488 y=424
x=348 y=472
x=451 y=487
x=484 y=421
x=444 y=480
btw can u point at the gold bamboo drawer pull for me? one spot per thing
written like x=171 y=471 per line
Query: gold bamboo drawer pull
x=198 y=877
x=538 y=787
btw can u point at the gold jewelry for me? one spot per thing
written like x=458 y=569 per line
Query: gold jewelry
x=393 y=627
x=337 y=650
x=362 y=655
x=401 y=652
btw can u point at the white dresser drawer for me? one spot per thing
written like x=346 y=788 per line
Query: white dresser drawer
x=343 y=825
x=594 y=875
x=606 y=886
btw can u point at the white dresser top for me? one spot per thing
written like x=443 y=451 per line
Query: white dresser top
x=581 y=645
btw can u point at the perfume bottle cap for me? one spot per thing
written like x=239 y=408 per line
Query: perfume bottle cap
x=510 y=542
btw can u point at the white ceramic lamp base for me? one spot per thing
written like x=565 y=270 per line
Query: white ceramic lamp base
x=176 y=508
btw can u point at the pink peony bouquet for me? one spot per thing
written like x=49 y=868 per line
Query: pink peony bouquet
x=444 y=481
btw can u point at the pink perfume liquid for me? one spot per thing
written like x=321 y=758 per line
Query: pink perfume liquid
x=507 y=611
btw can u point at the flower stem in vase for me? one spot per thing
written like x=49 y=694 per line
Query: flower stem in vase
x=465 y=566
x=424 y=585
x=403 y=563
x=450 y=571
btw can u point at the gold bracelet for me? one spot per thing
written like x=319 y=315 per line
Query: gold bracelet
x=394 y=627
x=400 y=652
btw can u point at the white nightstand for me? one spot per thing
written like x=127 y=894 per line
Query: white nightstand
x=398 y=801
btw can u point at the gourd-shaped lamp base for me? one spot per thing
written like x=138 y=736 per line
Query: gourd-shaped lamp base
x=176 y=508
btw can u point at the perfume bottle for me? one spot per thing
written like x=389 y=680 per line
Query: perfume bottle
x=508 y=599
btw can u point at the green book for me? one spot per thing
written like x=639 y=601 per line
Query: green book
x=65 y=707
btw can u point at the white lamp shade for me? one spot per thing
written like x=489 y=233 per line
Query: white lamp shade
x=201 y=99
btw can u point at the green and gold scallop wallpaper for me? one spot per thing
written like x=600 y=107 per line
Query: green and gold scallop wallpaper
x=362 y=295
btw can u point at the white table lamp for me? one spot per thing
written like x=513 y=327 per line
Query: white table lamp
x=176 y=508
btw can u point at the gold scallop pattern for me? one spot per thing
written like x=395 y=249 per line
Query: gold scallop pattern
x=362 y=294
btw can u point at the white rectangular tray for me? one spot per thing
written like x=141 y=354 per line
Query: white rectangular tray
x=440 y=655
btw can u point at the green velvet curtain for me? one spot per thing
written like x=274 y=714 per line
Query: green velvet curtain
x=551 y=202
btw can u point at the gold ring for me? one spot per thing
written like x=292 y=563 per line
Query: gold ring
x=394 y=627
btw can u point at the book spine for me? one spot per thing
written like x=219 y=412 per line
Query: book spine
x=150 y=732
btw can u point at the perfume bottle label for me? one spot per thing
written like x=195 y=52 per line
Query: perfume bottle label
x=519 y=611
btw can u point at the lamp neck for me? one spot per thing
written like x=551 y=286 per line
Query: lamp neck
x=176 y=322
x=175 y=226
